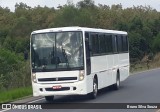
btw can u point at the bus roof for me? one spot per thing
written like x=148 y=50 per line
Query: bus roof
x=77 y=28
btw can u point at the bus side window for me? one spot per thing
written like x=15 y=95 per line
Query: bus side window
x=95 y=43
x=119 y=43
x=102 y=44
x=109 y=46
x=125 y=43
x=114 y=43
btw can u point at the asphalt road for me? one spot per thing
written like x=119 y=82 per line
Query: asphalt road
x=137 y=88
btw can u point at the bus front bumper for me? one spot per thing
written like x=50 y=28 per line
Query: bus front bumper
x=75 y=88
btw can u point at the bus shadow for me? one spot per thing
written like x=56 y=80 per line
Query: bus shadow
x=108 y=90
x=70 y=99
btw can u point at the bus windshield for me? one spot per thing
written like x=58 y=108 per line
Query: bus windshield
x=57 y=51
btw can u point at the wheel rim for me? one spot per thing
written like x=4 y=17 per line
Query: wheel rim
x=118 y=82
x=95 y=89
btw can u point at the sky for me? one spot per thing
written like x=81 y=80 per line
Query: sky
x=155 y=4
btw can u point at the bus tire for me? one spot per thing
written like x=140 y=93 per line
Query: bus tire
x=49 y=98
x=117 y=84
x=93 y=95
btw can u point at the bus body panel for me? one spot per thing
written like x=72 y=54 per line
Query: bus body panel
x=124 y=65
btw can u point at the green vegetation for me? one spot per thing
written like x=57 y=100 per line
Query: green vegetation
x=145 y=64
x=141 y=23
x=14 y=94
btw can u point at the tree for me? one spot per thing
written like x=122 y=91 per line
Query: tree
x=22 y=28
x=156 y=43
x=66 y=17
x=138 y=47
x=136 y=24
x=85 y=4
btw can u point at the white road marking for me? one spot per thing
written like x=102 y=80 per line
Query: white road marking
x=5 y=110
x=158 y=110
x=35 y=100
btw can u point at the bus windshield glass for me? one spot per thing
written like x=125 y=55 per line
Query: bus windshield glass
x=57 y=51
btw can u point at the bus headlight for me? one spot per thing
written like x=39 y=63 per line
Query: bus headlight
x=81 y=75
x=34 y=78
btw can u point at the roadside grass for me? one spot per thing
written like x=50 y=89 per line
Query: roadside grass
x=14 y=94
x=134 y=68
x=144 y=65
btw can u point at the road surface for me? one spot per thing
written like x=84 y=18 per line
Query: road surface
x=138 y=88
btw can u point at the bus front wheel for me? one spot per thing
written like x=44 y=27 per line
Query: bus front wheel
x=93 y=95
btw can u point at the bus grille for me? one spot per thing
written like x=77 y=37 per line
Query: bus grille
x=57 y=79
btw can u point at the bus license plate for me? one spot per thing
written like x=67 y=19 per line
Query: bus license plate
x=57 y=87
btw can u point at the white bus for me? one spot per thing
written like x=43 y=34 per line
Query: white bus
x=77 y=61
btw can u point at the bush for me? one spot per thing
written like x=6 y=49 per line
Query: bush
x=156 y=43
x=14 y=72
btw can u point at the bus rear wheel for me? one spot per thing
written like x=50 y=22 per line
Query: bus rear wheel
x=49 y=98
x=117 y=84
